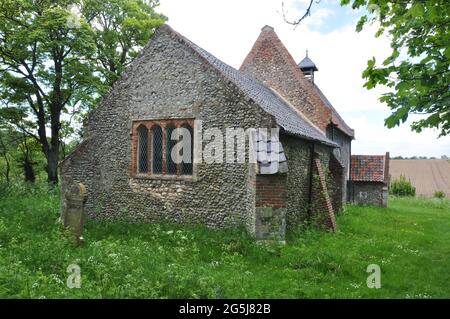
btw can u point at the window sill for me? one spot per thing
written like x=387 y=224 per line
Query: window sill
x=186 y=178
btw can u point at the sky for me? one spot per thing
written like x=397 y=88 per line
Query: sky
x=229 y=28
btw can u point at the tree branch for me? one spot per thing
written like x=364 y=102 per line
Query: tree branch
x=307 y=13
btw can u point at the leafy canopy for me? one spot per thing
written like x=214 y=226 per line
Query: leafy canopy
x=57 y=58
x=122 y=28
x=417 y=70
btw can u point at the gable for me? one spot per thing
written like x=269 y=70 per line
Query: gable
x=336 y=119
x=289 y=120
x=171 y=60
x=271 y=63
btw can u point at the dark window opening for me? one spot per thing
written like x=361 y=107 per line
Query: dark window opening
x=157 y=153
x=188 y=146
x=157 y=150
x=171 y=158
x=143 y=149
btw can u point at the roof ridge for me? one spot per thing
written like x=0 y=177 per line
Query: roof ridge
x=296 y=110
x=264 y=97
x=351 y=132
x=289 y=58
x=297 y=75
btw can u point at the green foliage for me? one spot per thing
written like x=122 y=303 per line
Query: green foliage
x=54 y=62
x=402 y=187
x=123 y=260
x=20 y=155
x=122 y=28
x=439 y=194
x=417 y=71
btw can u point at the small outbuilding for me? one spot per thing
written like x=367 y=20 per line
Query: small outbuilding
x=369 y=180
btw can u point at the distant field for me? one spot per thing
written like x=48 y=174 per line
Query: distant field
x=428 y=176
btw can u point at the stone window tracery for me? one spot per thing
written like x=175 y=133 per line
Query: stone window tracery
x=162 y=148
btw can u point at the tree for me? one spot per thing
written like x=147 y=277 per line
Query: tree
x=307 y=13
x=417 y=71
x=122 y=28
x=41 y=69
x=54 y=63
x=27 y=149
x=17 y=149
x=5 y=154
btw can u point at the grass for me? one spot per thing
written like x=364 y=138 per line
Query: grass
x=410 y=241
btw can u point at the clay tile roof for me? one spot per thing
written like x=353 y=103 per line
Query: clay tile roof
x=369 y=168
x=336 y=119
x=287 y=118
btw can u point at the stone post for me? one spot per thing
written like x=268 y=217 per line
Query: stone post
x=384 y=196
x=73 y=213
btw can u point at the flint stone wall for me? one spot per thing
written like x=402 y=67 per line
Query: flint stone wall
x=343 y=154
x=368 y=193
x=298 y=154
x=167 y=81
x=170 y=81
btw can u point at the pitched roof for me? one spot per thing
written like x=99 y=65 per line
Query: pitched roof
x=336 y=119
x=260 y=63
x=271 y=62
x=306 y=63
x=288 y=119
x=369 y=168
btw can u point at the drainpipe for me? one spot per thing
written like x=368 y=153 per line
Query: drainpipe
x=311 y=171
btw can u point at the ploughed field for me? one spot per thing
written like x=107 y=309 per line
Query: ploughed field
x=409 y=241
x=428 y=176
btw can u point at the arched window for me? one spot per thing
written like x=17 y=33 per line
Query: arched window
x=142 y=149
x=188 y=151
x=163 y=148
x=157 y=149
x=170 y=160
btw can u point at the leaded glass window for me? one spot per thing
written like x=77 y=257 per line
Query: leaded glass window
x=153 y=147
x=170 y=160
x=157 y=149
x=188 y=147
x=142 y=149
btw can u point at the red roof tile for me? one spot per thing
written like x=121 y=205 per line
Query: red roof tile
x=369 y=168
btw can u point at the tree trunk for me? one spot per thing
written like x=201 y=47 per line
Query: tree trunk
x=8 y=168
x=52 y=166
x=5 y=155
x=28 y=170
x=27 y=163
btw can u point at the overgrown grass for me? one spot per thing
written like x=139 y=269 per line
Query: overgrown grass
x=410 y=241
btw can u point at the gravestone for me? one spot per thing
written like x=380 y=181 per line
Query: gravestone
x=73 y=213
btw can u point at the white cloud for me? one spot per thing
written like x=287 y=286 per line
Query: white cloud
x=228 y=29
x=372 y=139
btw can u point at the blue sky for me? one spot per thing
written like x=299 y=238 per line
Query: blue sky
x=228 y=29
x=338 y=16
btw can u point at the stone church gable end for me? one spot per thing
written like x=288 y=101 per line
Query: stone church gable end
x=174 y=83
